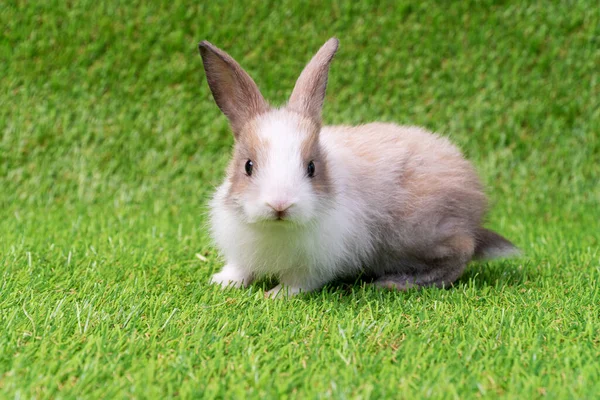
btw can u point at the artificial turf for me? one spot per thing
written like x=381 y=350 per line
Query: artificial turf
x=111 y=144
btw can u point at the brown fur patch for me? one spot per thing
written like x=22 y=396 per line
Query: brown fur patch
x=310 y=150
x=462 y=244
x=321 y=180
x=248 y=146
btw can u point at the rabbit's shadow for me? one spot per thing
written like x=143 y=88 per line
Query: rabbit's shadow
x=493 y=274
x=477 y=275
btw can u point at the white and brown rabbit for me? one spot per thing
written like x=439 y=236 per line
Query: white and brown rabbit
x=307 y=203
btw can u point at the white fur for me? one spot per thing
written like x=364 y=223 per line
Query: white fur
x=280 y=173
x=302 y=255
x=327 y=238
x=232 y=275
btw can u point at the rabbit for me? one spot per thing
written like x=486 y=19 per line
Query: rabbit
x=308 y=204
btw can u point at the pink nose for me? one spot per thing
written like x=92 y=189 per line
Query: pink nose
x=280 y=205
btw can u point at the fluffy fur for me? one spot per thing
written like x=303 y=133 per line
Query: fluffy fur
x=398 y=203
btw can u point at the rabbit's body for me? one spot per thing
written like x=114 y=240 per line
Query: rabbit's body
x=398 y=194
x=398 y=203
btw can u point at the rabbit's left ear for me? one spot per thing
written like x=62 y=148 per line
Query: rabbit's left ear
x=309 y=93
x=234 y=91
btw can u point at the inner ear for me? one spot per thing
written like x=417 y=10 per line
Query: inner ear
x=309 y=92
x=233 y=89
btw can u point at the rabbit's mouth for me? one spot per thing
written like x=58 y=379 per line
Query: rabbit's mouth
x=281 y=215
x=291 y=216
x=280 y=221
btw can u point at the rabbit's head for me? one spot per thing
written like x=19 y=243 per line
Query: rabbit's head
x=279 y=173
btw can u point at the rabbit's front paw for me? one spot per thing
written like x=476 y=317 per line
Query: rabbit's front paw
x=283 y=291
x=231 y=276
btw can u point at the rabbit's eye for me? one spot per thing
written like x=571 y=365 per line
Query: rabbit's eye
x=249 y=165
x=311 y=169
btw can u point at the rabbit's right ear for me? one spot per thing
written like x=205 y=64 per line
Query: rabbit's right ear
x=309 y=93
x=234 y=91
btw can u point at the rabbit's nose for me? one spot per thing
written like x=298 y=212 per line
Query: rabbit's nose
x=280 y=205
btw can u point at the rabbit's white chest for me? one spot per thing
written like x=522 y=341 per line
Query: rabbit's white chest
x=334 y=245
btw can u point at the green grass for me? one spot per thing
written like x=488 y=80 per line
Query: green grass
x=110 y=145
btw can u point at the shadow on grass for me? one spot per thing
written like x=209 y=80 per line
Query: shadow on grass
x=494 y=274
x=477 y=275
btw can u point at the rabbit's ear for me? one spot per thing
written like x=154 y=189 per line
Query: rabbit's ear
x=309 y=93
x=234 y=91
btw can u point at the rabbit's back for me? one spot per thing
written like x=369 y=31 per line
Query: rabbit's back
x=413 y=188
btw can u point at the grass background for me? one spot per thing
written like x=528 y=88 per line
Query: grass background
x=111 y=145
